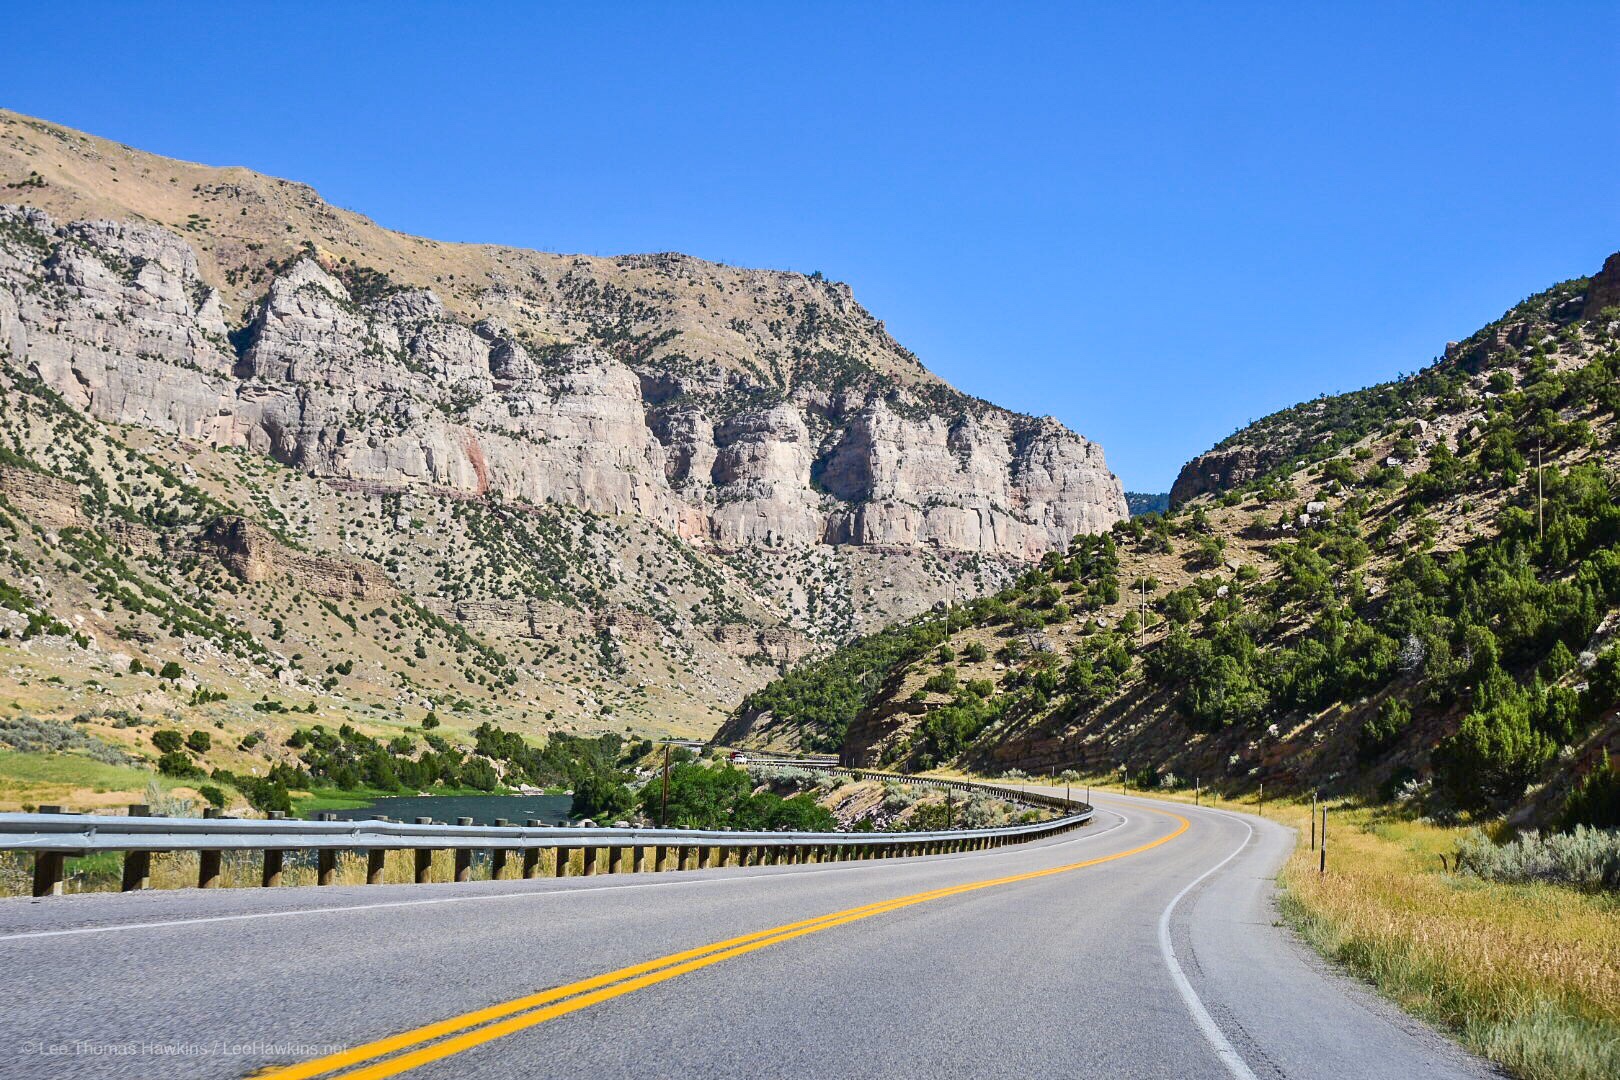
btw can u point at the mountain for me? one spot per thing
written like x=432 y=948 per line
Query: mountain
x=318 y=464
x=1415 y=584
x=1143 y=503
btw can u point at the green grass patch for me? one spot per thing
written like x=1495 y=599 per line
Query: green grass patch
x=74 y=770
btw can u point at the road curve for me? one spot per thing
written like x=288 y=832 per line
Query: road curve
x=1145 y=945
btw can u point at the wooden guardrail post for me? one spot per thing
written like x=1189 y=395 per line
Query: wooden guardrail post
x=588 y=861
x=376 y=863
x=208 y=861
x=615 y=859
x=638 y=859
x=424 y=858
x=683 y=857
x=497 y=856
x=326 y=860
x=273 y=859
x=464 y=855
x=49 y=866
x=660 y=858
x=564 y=854
x=531 y=855
x=137 y=864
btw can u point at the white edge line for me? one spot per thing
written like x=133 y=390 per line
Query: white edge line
x=519 y=895
x=1206 y=1024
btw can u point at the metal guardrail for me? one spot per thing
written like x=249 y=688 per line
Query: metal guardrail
x=1017 y=795
x=53 y=838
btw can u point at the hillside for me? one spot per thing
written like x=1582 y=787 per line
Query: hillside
x=1377 y=597
x=1141 y=502
x=313 y=464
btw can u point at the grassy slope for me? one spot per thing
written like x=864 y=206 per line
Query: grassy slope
x=1288 y=644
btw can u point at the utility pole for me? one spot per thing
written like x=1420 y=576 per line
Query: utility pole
x=1538 y=490
x=663 y=812
x=1142 y=618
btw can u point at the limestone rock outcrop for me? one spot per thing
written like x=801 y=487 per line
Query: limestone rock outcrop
x=389 y=387
x=1219 y=470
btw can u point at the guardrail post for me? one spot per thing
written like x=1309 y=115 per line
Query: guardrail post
x=615 y=859
x=208 y=861
x=660 y=858
x=683 y=857
x=563 y=856
x=464 y=855
x=588 y=854
x=326 y=860
x=137 y=864
x=497 y=856
x=271 y=875
x=208 y=869
x=49 y=866
x=531 y=855
x=376 y=862
x=424 y=858
x=638 y=859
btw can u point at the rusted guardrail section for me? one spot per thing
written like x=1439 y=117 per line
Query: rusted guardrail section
x=54 y=837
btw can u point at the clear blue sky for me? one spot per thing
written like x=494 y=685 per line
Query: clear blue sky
x=1155 y=222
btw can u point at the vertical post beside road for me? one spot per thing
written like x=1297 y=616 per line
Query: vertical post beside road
x=326 y=860
x=1322 y=866
x=498 y=856
x=137 y=864
x=49 y=866
x=464 y=855
x=424 y=858
x=531 y=855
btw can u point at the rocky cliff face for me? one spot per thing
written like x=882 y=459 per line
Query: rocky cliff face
x=1219 y=470
x=397 y=391
x=732 y=407
x=656 y=479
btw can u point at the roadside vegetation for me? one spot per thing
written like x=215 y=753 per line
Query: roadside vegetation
x=1495 y=947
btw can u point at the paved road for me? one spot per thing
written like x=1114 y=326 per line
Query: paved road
x=1156 y=954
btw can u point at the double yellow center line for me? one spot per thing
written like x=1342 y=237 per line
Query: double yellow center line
x=433 y=1042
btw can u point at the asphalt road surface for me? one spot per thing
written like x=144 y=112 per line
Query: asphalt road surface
x=1144 y=945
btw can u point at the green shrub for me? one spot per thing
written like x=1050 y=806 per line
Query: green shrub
x=1595 y=800
x=168 y=741
x=1492 y=757
x=176 y=763
x=199 y=742
x=1583 y=858
x=1381 y=731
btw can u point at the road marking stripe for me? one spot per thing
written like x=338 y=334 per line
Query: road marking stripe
x=1224 y=1050
x=538 y=1008
x=675 y=879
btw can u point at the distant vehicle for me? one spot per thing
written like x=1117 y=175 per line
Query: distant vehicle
x=739 y=757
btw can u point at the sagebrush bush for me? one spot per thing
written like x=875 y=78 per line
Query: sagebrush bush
x=31 y=735
x=1583 y=858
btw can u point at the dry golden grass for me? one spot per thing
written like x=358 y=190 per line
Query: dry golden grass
x=1527 y=975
